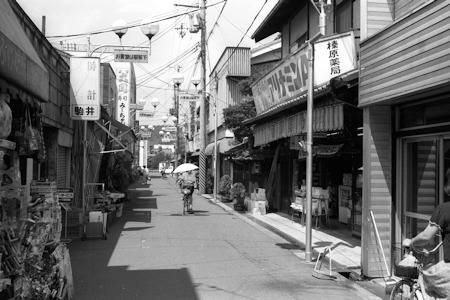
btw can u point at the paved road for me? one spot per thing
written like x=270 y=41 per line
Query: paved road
x=210 y=254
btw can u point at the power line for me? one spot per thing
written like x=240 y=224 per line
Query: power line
x=128 y=26
x=235 y=48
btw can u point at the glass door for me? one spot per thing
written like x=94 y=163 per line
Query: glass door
x=423 y=173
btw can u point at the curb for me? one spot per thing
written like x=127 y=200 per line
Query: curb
x=365 y=293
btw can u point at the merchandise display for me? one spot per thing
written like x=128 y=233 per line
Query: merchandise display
x=34 y=262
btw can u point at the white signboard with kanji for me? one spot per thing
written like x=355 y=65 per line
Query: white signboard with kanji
x=123 y=90
x=85 y=95
x=334 y=56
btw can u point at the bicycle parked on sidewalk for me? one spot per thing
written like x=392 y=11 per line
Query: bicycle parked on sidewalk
x=408 y=287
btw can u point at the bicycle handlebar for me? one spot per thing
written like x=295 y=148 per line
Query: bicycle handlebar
x=426 y=252
x=187 y=182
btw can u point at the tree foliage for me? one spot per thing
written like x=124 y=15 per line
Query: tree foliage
x=235 y=115
x=161 y=156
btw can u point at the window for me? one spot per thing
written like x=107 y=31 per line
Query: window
x=424 y=114
x=298 y=29
x=347 y=13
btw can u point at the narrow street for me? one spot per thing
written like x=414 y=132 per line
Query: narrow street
x=210 y=254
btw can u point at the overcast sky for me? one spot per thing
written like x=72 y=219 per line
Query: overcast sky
x=78 y=18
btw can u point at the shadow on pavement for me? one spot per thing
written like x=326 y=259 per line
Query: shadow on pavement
x=100 y=269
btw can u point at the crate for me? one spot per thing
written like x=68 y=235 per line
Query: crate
x=73 y=232
x=74 y=217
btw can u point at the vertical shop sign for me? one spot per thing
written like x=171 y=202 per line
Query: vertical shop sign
x=123 y=95
x=85 y=88
x=337 y=56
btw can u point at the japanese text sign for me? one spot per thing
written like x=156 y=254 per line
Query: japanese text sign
x=85 y=83
x=334 y=56
x=123 y=90
x=134 y=56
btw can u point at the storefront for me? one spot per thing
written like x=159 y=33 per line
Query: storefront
x=404 y=93
x=280 y=127
x=34 y=261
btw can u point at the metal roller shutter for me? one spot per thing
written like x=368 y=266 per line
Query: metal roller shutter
x=61 y=171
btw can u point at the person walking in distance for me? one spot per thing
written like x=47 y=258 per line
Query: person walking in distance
x=145 y=175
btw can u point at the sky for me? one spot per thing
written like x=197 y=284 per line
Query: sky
x=73 y=21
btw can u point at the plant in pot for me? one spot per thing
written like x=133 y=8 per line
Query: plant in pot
x=237 y=192
x=209 y=183
x=224 y=187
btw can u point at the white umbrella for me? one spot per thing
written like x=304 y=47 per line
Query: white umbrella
x=184 y=168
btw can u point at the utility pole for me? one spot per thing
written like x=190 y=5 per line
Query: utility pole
x=202 y=131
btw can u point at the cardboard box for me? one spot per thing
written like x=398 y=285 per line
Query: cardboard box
x=95 y=216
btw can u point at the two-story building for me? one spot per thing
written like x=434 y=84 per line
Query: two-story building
x=404 y=94
x=280 y=97
x=232 y=66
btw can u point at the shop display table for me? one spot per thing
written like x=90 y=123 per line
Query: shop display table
x=319 y=209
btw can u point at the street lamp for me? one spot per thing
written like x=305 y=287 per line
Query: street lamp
x=177 y=79
x=120 y=28
x=149 y=28
x=155 y=102
x=309 y=123
x=164 y=119
x=195 y=81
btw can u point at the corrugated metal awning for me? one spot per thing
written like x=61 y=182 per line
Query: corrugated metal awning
x=325 y=119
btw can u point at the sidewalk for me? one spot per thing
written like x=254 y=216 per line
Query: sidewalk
x=345 y=252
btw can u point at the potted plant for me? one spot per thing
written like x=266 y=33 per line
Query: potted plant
x=224 y=187
x=237 y=192
x=209 y=183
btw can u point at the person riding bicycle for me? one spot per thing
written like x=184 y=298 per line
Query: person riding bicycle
x=187 y=181
x=436 y=278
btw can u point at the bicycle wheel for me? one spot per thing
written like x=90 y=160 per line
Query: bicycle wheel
x=402 y=290
x=185 y=205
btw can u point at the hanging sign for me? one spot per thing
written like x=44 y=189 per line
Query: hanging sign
x=123 y=81
x=133 y=56
x=189 y=97
x=85 y=91
x=64 y=194
x=142 y=115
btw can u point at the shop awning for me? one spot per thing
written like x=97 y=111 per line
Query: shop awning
x=325 y=119
x=223 y=145
x=125 y=130
x=22 y=65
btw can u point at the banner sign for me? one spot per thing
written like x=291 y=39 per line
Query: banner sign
x=145 y=134
x=123 y=99
x=334 y=55
x=321 y=150
x=133 y=56
x=189 y=97
x=85 y=88
x=144 y=115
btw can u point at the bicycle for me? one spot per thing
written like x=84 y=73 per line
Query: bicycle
x=186 y=190
x=408 y=287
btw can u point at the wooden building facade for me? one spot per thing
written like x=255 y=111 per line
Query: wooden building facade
x=404 y=88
